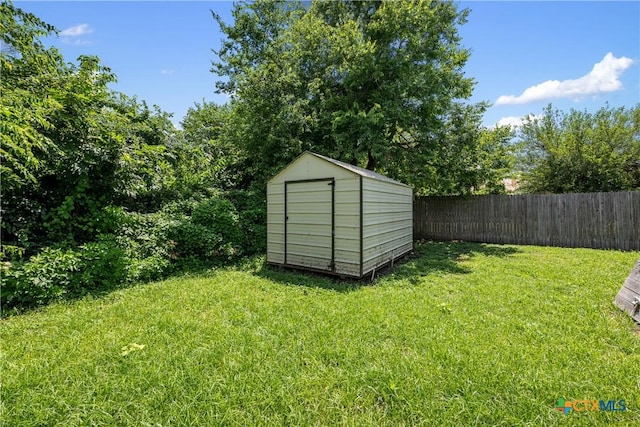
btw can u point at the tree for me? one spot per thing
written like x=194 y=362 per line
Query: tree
x=579 y=151
x=147 y=153
x=249 y=59
x=98 y=188
x=71 y=146
x=377 y=84
x=29 y=78
x=209 y=157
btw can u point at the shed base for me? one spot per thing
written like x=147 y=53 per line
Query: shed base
x=339 y=274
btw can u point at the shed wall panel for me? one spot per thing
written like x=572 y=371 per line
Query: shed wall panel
x=388 y=222
x=275 y=223
x=347 y=226
x=347 y=269
x=375 y=218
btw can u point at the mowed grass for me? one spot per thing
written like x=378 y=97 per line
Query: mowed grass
x=461 y=334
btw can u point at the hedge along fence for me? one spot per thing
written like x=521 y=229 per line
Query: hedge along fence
x=590 y=220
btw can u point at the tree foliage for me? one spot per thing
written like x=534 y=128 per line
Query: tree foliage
x=208 y=148
x=99 y=189
x=377 y=84
x=30 y=79
x=580 y=152
x=72 y=147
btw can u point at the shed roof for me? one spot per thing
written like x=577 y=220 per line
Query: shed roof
x=355 y=169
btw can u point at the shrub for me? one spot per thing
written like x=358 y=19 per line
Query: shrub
x=103 y=266
x=220 y=216
x=194 y=240
x=181 y=208
x=253 y=226
x=43 y=278
x=252 y=208
x=56 y=273
x=133 y=247
x=210 y=234
x=150 y=268
x=144 y=238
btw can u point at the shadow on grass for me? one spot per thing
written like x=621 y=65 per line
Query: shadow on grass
x=293 y=277
x=427 y=258
x=445 y=258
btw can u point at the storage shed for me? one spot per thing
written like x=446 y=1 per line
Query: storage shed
x=329 y=216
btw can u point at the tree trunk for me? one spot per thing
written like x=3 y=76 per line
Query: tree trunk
x=371 y=162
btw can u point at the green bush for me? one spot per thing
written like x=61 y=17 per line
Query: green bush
x=221 y=227
x=194 y=241
x=144 y=238
x=135 y=247
x=150 y=268
x=252 y=208
x=56 y=273
x=181 y=208
x=43 y=278
x=220 y=216
x=103 y=266
x=253 y=225
x=211 y=234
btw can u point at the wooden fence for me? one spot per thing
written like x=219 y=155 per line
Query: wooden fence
x=590 y=220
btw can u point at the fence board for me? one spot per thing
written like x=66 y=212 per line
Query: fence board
x=590 y=220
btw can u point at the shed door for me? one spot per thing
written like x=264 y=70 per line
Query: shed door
x=309 y=223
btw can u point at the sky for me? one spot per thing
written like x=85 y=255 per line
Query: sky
x=524 y=55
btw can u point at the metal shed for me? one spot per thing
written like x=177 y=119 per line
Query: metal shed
x=329 y=216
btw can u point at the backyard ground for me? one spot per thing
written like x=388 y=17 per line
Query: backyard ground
x=461 y=334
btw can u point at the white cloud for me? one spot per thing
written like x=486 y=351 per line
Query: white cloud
x=166 y=72
x=77 y=42
x=604 y=77
x=515 y=121
x=73 y=35
x=512 y=121
x=76 y=31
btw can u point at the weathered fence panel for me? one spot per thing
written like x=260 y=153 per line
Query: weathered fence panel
x=589 y=220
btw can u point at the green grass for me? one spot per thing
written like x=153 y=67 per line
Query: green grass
x=462 y=334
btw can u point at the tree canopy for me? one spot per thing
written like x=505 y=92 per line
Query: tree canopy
x=70 y=146
x=29 y=93
x=377 y=84
x=579 y=152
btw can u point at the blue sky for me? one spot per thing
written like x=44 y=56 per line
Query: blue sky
x=525 y=55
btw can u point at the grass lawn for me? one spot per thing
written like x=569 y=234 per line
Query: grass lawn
x=462 y=334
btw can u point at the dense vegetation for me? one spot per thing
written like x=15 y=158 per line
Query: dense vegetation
x=101 y=190
x=461 y=335
x=581 y=152
x=98 y=189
